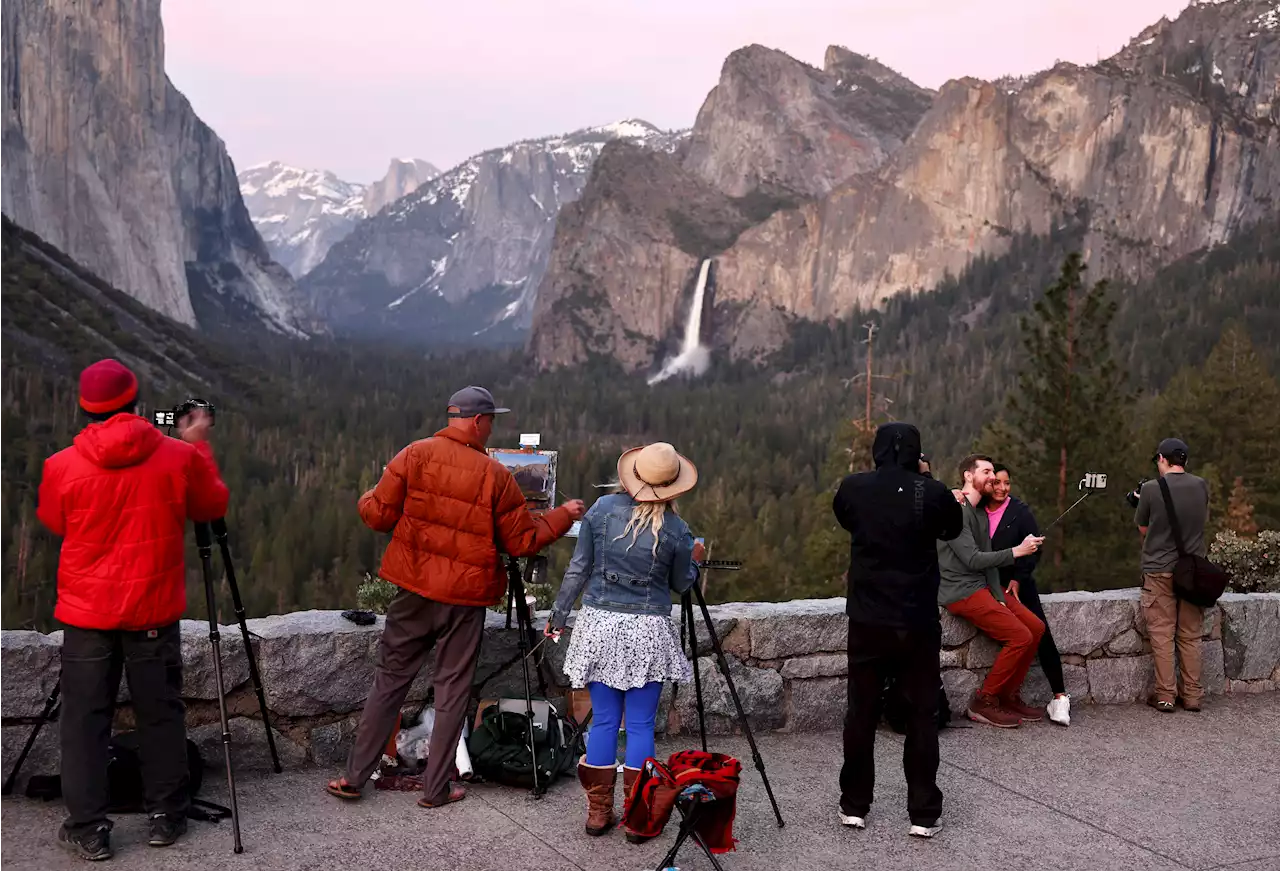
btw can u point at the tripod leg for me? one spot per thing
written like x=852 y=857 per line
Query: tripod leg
x=737 y=703
x=204 y=547
x=516 y=590
x=668 y=861
x=525 y=615
x=50 y=705
x=686 y=604
x=715 y=863
x=220 y=532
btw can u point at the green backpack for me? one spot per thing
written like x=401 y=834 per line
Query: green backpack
x=499 y=746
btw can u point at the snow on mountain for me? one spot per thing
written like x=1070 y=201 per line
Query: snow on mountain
x=460 y=258
x=302 y=213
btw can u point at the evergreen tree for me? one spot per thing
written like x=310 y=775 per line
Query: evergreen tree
x=1067 y=416
x=1228 y=413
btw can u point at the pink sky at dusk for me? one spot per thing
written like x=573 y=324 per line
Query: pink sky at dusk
x=348 y=85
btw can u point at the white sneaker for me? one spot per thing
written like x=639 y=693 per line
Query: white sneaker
x=925 y=831
x=1059 y=710
x=853 y=822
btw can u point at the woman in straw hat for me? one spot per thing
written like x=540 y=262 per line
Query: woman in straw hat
x=633 y=551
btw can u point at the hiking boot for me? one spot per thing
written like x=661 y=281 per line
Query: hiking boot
x=93 y=844
x=1193 y=707
x=1162 y=705
x=986 y=709
x=166 y=829
x=629 y=778
x=1025 y=712
x=598 y=782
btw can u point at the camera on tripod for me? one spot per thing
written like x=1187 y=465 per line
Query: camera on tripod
x=170 y=417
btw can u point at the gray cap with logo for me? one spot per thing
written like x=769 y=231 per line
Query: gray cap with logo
x=470 y=401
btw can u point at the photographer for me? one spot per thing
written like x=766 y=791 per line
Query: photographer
x=1163 y=610
x=449 y=507
x=894 y=515
x=121 y=497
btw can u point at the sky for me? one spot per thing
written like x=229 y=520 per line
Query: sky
x=347 y=86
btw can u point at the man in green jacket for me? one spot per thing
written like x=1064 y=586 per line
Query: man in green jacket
x=971 y=589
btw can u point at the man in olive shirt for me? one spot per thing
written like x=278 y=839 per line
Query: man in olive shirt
x=1163 y=611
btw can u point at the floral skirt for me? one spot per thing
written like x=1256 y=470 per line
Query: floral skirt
x=624 y=651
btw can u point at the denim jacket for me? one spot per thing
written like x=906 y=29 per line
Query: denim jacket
x=619 y=575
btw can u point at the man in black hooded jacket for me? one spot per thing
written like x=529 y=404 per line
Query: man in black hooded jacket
x=894 y=516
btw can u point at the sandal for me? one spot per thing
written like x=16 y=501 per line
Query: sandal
x=343 y=790
x=457 y=792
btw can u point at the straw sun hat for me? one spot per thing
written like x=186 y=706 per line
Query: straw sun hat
x=656 y=473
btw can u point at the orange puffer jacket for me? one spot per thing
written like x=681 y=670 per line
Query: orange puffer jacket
x=121 y=497
x=448 y=506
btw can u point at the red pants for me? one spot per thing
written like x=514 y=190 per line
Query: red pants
x=1013 y=626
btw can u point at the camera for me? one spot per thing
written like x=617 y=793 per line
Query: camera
x=170 y=417
x=1133 y=496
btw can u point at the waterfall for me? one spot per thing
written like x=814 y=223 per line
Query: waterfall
x=693 y=358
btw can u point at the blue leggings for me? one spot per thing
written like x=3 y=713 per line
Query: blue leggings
x=606 y=717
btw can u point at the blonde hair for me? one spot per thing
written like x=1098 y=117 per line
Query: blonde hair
x=647 y=514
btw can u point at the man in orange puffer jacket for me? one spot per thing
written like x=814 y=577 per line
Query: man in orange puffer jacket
x=120 y=498
x=449 y=506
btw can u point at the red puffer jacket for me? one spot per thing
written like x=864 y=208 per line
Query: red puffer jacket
x=121 y=497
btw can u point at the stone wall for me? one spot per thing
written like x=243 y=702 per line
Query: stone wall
x=787 y=661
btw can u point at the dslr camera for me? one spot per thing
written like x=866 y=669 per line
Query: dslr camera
x=169 y=417
x=1132 y=496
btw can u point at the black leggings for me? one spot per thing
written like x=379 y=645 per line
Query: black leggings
x=1050 y=659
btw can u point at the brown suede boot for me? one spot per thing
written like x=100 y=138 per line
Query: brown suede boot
x=629 y=777
x=598 y=782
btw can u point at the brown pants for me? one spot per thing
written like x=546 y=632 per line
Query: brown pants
x=1164 y=611
x=415 y=625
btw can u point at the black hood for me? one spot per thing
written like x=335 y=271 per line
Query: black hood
x=897 y=445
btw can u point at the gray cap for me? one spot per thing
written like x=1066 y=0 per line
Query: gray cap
x=1173 y=450
x=470 y=401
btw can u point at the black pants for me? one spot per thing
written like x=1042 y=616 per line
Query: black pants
x=1050 y=659
x=92 y=661
x=911 y=656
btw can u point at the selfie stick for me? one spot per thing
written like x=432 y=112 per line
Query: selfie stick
x=1073 y=505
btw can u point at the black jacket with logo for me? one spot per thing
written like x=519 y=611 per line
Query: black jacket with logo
x=894 y=516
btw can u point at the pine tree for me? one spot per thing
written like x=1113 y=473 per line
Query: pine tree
x=1067 y=415
x=1228 y=413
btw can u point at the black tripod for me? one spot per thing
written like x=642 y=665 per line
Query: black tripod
x=690 y=805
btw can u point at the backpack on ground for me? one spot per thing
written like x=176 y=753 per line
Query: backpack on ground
x=499 y=745
x=895 y=707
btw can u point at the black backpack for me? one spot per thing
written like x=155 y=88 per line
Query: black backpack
x=895 y=707
x=499 y=746
x=125 y=791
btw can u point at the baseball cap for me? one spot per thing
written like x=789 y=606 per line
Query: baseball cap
x=470 y=401
x=1173 y=450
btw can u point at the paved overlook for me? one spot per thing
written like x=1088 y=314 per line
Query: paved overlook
x=1123 y=788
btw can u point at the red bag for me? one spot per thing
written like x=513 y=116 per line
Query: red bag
x=658 y=786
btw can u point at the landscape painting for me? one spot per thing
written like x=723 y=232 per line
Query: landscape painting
x=534 y=471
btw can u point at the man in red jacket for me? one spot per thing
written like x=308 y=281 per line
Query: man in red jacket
x=121 y=497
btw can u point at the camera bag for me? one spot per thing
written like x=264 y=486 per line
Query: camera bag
x=1195 y=578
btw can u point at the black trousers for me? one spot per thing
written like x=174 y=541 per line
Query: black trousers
x=92 y=661
x=911 y=657
x=1050 y=659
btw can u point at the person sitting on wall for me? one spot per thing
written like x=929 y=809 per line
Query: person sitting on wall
x=971 y=589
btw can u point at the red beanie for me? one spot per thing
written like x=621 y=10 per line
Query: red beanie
x=106 y=386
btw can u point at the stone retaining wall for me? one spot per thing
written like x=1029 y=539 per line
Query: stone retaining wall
x=787 y=661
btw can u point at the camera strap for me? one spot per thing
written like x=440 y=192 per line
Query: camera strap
x=1173 y=517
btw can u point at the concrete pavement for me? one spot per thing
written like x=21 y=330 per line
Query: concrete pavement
x=1123 y=788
